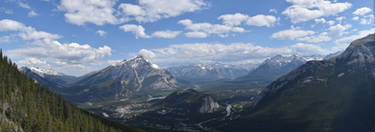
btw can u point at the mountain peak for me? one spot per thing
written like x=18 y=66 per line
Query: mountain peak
x=41 y=71
x=361 y=51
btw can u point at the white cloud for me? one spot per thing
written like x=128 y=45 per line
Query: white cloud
x=153 y=10
x=233 y=19
x=355 y=18
x=34 y=62
x=71 y=55
x=26 y=33
x=305 y=10
x=101 y=33
x=320 y=20
x=292 y=34
x=224 y=53
x=98 y=12
x=24 y=5
x=137 y=30
x=32 y=14
x=261 y=20
x=207 y=28
x=365 y=19
x=340 y=19
x=258 y=20
x=166 y=34
x=273 y=11
x=5 y=39
x=309 y=49
x=67 y=57
x=369 y=19
x=338 y=30
x=11 y=25
x=322 y=37
x=331 y=22
x=196 y=35
x=362 y=11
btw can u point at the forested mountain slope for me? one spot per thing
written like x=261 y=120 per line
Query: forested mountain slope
x=26 y=106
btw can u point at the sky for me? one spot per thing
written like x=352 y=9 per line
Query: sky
x=80 y=36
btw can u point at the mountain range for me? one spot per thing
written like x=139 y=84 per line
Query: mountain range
x=132 y=78
x=334 y=95
x=200 y=73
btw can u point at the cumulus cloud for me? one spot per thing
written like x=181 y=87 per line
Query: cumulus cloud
x=292 y=34
x=25 y=32
x=224 y=53
x=44 y=49
x=101 y=33
x=62 y=54
x=32 y=14
x=34 y=62
x=295 y=33
x=322 y=37
x=273 y=11
x=98 y=12
x=139 y=32
x=166 y=34
x=196 y=35
x=258 y=20
x=153 y=10
x=338 y=30
x=309 y=49
x=201 y=30
x=305 y=10
x=102 y=12
x=363 y=15
x=362 y=11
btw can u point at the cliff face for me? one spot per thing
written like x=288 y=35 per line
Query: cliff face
x=209 y=105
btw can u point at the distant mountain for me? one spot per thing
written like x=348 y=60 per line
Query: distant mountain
x=273 y=68
x=136 y=77
x=25 y=106
x=48 y=77
x=207 y=72
x=334 y=95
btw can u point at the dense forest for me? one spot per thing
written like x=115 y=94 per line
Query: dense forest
x=27 y=106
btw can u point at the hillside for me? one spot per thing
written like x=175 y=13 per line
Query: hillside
x=335 y=95
x=26 y=106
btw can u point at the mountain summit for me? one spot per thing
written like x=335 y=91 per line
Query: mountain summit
x=273 y=68
x=129 y=78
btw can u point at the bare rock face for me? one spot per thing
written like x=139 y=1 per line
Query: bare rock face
x=191 y=101
x=209 y=105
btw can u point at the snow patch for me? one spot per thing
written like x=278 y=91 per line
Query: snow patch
x=155 y=66
x=340 y=75
x=105 y=114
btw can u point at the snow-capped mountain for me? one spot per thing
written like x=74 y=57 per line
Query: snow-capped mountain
x=48 y=77
x=207 y=72
x=137 y=76
x=275 y=67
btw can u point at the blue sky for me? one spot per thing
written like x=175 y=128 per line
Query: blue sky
x=79 y=36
